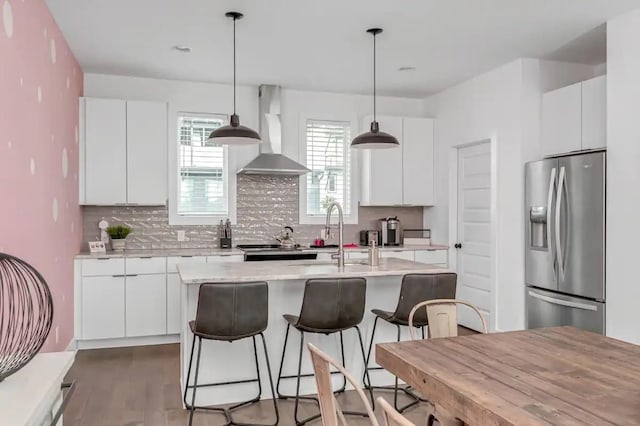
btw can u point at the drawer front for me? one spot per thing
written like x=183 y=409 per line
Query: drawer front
x=173 y=261
x=433 y=257
x=146 y=265
x=358 y=255
x=399 y=254
x=102 y=267
x=225 y=258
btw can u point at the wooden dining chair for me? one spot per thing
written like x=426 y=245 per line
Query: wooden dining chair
x=442 y=317
x=391 y=416
x=329 y=408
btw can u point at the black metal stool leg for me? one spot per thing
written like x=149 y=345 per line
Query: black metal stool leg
x=284 y=351
x=395 y=388
x=423 y=332
x=365 y=374
x=273 y=393
x=344 y=379
x=295 y=410
x=195 y=383
x=186 y=384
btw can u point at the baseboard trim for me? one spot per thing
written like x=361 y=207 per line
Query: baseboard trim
x=73 y=345
x=126 y=342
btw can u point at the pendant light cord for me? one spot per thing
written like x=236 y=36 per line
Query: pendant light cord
x=234 y=66
x=374 y=77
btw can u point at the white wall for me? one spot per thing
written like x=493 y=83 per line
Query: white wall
x=503 y=105
x=623 y=177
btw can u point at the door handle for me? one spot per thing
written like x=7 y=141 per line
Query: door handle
x=561 y=302
x=552 y=184
x=559 y=253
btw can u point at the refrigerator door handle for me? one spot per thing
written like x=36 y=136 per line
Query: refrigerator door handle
x=561 y=302
x=559 y=254
x=552 y=184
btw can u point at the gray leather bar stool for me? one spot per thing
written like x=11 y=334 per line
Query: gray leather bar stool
x=415 y=288
x=229 y=312
x=328 y=306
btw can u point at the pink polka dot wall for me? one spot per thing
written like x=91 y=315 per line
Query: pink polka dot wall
x=40 y=220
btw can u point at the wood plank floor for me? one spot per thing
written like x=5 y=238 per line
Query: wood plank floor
x=141 y=386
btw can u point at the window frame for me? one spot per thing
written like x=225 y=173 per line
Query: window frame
x=354 y=169
x=174 y=177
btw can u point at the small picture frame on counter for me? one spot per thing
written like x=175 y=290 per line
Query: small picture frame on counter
x=97 y=247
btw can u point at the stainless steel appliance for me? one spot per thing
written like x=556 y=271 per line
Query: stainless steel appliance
x=564 y=241
x=389 y=231
x=262 y=252
x=368 y=235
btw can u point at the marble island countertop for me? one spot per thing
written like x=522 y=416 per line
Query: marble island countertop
x=298 y=270
x=236 y=251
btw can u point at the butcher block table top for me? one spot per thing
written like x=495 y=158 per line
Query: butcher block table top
x=557 y=376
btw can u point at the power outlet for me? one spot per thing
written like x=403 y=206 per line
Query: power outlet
x=182 y=236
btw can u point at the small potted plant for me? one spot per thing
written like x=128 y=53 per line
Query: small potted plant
x=118 y=235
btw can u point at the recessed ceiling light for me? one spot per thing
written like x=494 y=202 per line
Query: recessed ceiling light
x=182 y=49
x=407 y=69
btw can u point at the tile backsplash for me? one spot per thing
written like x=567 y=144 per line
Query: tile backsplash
x=265 y=204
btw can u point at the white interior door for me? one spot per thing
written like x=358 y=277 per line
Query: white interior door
x=473 y=248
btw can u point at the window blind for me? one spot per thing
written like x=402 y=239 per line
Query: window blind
x=202 y=186
x=329 y=158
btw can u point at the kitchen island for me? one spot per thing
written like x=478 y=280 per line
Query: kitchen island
x=222 y=361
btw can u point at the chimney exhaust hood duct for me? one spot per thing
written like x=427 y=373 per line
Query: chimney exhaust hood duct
x=270 y=161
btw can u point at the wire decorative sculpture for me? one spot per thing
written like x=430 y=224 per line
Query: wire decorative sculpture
x=26 y=313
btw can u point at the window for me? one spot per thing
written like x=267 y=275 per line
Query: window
x=328 y=155
x=202 y=183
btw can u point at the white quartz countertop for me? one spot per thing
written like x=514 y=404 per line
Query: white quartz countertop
x=298 y=270
x=26 y=396
x=236 y=251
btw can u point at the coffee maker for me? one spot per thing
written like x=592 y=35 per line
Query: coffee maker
x=389 y=231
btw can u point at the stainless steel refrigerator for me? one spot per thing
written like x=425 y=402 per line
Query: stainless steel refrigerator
x=565 y=241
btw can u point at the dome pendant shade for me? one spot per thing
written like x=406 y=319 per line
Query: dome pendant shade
x=234 y=134
x=374 y=139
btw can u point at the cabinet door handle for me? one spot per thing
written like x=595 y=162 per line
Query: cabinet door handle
x=131 y=275
x=118 y=276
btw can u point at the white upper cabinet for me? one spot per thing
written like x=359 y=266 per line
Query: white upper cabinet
x=402 y=175
x=562 y=120
x=417 y=153
x=123 y=152
x=382 y=168
x=594 y=113
x=574 y=117
x=146 y=152
x=103 y=171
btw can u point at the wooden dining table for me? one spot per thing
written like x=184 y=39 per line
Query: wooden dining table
x=547 y=376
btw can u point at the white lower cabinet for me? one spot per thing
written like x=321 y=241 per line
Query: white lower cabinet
x=358 y=255
x=399 y=254
x=146 y=305
x=103 y=307
x=173 y=303
x=432 y=257
x=174 y=290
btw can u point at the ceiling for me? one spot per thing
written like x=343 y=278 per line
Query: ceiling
x=322 y=45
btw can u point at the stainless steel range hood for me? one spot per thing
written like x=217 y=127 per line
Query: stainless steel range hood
x=270 y=161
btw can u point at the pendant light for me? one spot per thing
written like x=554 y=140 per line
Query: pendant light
x=234 y=133
x=374 y=138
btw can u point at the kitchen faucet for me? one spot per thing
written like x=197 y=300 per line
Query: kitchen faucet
x=340 y=254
